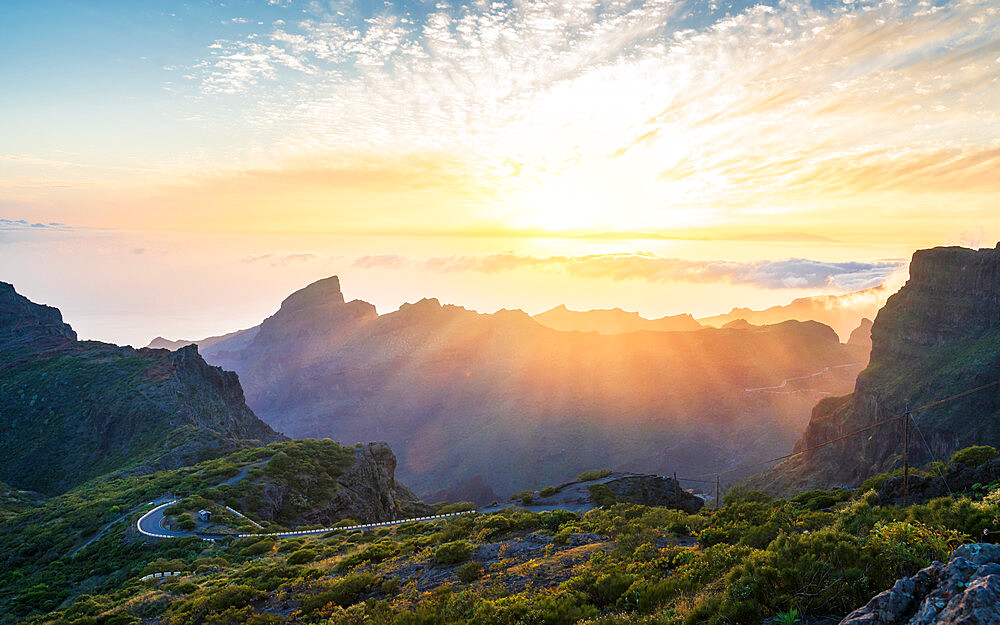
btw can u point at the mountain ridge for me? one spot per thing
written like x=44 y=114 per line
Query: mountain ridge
x=78 y=409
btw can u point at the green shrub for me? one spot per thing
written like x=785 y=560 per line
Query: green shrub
x=548 y=491
x=974 y=456
x=907 y=546
x=526 y=497
x=453 y=552
x=602 y=495
x=593 y=474
x=469 y=572
x=302 y=556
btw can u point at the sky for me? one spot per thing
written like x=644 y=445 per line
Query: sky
x=178 y=168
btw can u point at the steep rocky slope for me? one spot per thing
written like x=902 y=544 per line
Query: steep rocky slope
x=458 y=394
x=938 y=336
x=73 y=410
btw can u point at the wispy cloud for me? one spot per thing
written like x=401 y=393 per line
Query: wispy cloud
x=23 y=224
x=281 y=260
x=792 y=273
x=647 y=113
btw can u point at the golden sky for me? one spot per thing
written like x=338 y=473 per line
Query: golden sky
x=573 y=145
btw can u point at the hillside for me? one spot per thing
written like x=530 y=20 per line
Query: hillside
x=73 y=410
x=86 y=539
x=938 y=336
x=612 y=321
x=459 y=394
x=814 y=558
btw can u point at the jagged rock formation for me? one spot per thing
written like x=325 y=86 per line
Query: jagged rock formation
x=964 y=591
x=840 y=312
x=937 y=337
x=612 y=321
x=457 y=393
x=862 y=335
x=73 y=410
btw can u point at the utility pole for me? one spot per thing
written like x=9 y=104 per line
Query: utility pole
x=716 y=492
x=906 y=453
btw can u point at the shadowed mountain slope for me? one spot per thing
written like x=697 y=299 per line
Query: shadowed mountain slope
x=73 y=410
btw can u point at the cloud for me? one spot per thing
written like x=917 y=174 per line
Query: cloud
x=381 y=261
x=23 y=224
x=792 y=273
x=281 y=260
x=660 y=112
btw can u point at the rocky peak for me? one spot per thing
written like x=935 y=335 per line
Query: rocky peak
x=325 y=292
x=28 y=321
x=952 y=292
x=862 y=335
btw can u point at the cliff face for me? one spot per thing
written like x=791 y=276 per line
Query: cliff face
x=73 y=410
x=938 y=336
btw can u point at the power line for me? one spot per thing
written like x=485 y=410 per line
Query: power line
x=931 y=454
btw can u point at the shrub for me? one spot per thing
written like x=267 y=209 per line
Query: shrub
x=469 y=572
x=593 y=474
x=526 y=497
x=548 y=491
x=390 y=586
x=302 y=556
x=907 y=546
x=602 y=495
x=453 y=552
x=974 y=456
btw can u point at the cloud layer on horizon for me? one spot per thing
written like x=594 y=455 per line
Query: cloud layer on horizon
x=792 y=273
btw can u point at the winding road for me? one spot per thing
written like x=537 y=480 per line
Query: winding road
x=785 y=382
x=151 y=524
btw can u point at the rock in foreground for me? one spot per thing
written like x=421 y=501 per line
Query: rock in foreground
x=966 y=591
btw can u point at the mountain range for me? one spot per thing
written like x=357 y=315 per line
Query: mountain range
x=459 y=394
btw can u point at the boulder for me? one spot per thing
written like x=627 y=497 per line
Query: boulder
x=966 y=590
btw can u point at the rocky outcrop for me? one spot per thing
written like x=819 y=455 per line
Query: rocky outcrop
x=73 y=410
x=29 y=327
x=366 y=490
x=964 y=591
x=939 y=336
x=654 y=490
x=862 y=335
x=641 y=489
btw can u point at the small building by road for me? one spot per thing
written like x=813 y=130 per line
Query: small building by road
x=205 y=515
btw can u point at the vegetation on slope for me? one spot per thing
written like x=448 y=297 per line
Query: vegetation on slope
x=820 y=552
x=85 y=540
